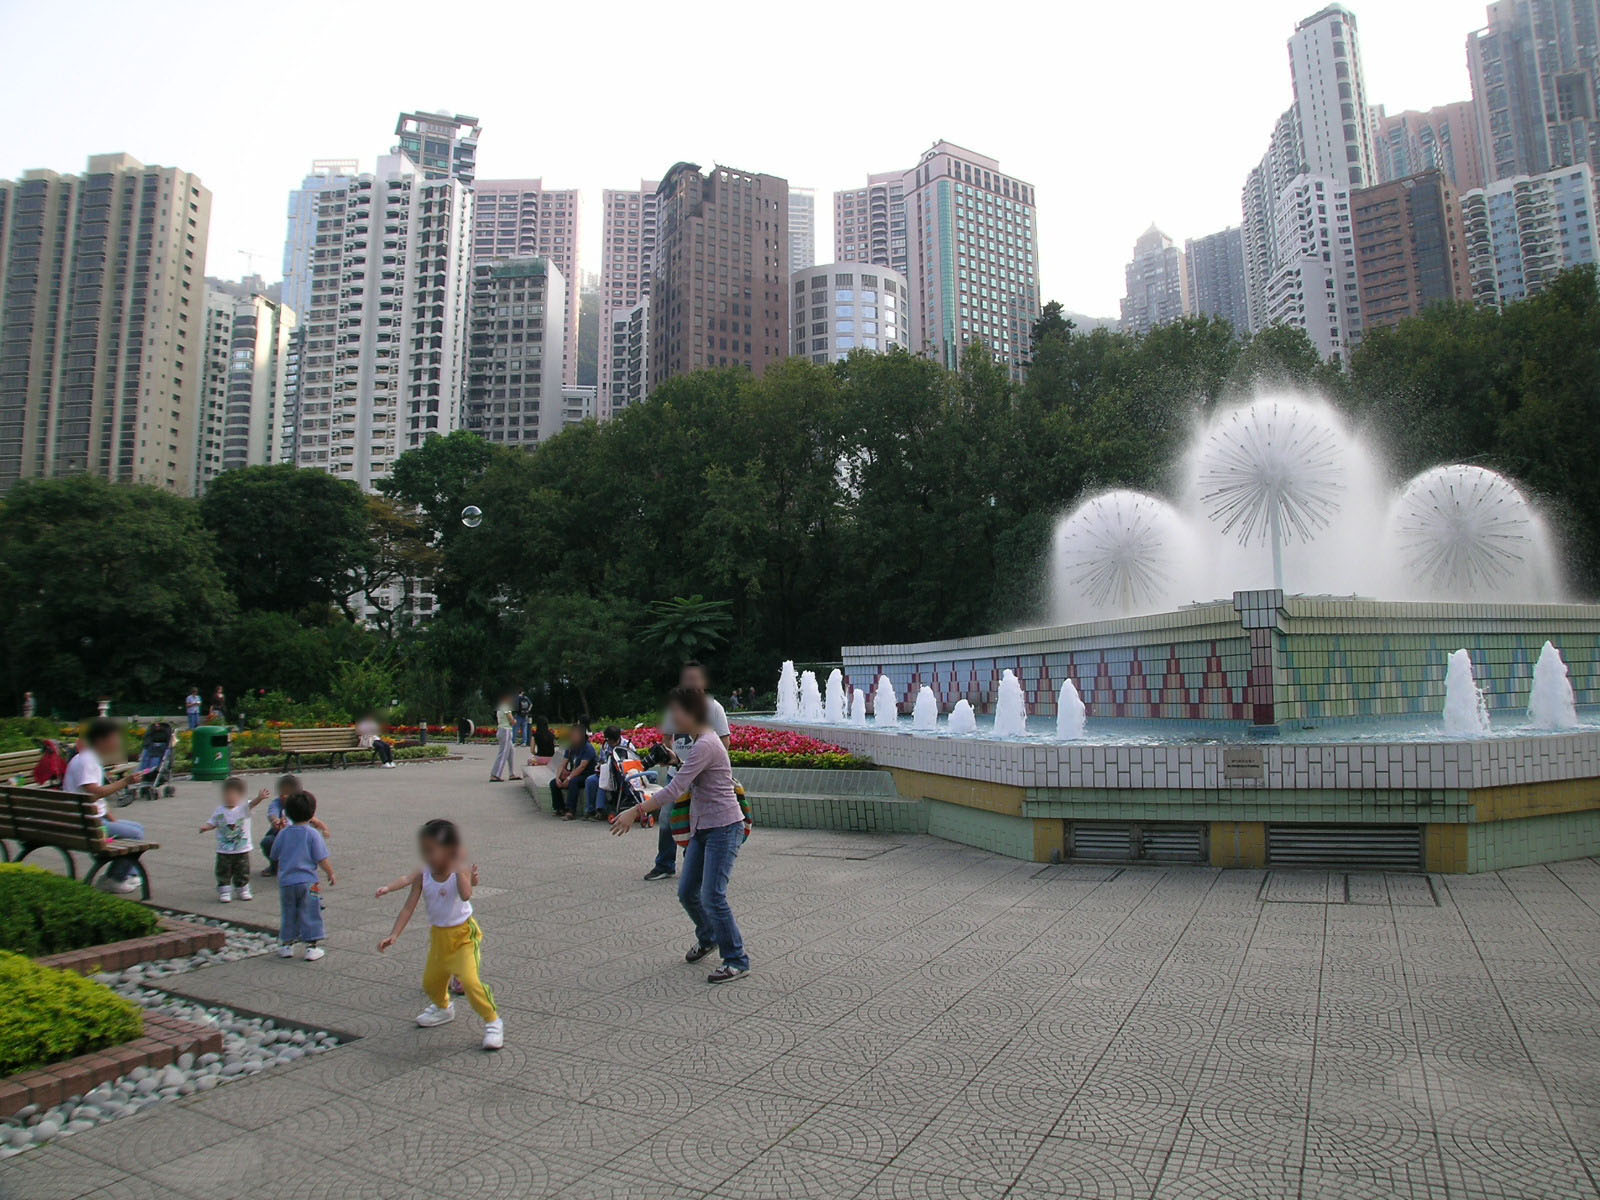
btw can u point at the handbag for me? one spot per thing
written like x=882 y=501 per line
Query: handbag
x=678 y=819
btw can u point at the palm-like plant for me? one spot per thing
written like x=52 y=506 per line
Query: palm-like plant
x=686 y=627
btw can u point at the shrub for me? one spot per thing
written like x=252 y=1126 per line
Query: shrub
x=815 y=762
x=52 y=1014
x=41 y=913
x=25 y=733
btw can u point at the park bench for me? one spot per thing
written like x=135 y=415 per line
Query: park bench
x=37 y=817
x=18 y=764
x=335 y=743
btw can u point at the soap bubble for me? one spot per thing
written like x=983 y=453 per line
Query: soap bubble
x=472 y=516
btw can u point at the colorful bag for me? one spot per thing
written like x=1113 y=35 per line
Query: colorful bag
x=678 y=820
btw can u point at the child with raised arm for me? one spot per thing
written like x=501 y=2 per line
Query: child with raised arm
x=232 y=821
x=299 y=852
x=445 y=884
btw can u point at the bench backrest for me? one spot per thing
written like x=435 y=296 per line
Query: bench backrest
x=42 y=817
x=18 y=762
x=341 y=737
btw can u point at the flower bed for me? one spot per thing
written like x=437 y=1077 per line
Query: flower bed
x=41 y=913
x=758 y=746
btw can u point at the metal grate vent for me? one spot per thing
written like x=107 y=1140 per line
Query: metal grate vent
x=1139 y=842
x=1113 y=842
x=1173 y=843
x=1396 y=846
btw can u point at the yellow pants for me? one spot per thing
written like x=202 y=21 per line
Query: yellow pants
x=458 y=950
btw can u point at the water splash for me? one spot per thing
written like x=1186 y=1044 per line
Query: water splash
x=1071 y=715
x=810 y=698
x=858 y=708
x=1463 y=532
x=925 y=712
x=788 y=693
x=1010 y=707
x=1117 y=554
x=1551 y=704
x=963 y=721
x=1465 y=712
x=885 y=710
x=833 y=702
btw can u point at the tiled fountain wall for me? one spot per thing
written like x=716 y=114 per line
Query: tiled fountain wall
x=1265 y=658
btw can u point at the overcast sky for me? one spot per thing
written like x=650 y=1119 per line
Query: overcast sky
x=1120 y=113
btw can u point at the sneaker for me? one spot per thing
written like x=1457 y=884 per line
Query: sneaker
x=698 y=951
x=494 y=1034
x=658 y=873
x=315 y=953
x=121 y=886
x=244 y=893
x=727 y=974
x=286 y=950
x=225 y=894
x=388 y=766
x=434 y=1015
x=271 y=869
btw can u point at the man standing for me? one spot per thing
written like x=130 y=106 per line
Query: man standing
x=693 y=675
x=86 y=776
x=524 y=711
x=191 y=707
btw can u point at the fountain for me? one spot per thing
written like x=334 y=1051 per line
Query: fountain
x=885 y=705
x=925 y=713
x=1071 y=715
x=1010 y=707
x=833 y=704
x=1117 y=554
x=1550 y=703
x=858 y=708
x=810 y=698
x=1465 y=712
x=1465 y=533
x=963 y=721
x=788 y=693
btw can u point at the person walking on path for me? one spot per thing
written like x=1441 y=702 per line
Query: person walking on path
x=716 y=831
x=693 y=676
x=505 y=736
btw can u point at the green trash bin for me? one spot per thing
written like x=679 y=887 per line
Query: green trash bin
x=210 y=752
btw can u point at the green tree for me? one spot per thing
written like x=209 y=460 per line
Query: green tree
x=688 y=627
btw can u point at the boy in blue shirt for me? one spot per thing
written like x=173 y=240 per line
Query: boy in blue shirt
x=298 y=852
x=278 y=820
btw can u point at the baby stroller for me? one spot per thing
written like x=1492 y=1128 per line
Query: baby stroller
x=631 y=776
x=155 y=765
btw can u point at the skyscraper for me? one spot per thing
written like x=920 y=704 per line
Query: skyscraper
x=841 y=307
x=518 y=314
x=385 y=360
x=720 y=297
x=1410 y=247
x=1313 y=286
x=802 y=228
x=1535 y=73
x=869 y=223
x=1259 y=202
x=629 y=356
x=438 y=145
x=1215 y=266
x=1524 y=231
x=1441 y=139
x=521 y=218
x=627 y=261
x=1157 y=283
x=973 y=265
x=250 y=348
x=102 y=322
x=301 y=239
x=1330 y=101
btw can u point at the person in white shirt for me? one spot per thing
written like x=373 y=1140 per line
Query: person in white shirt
x=86 y=775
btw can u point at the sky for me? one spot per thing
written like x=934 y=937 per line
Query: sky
x=1120 y=114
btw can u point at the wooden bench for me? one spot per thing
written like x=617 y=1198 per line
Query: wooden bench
x=335 y=742
x=18 y=764
x=37 y=817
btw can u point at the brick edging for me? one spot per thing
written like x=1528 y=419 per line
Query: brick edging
x=165 y=1039
x=177 y=939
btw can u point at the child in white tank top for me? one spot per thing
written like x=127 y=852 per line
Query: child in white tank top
x=444 y=885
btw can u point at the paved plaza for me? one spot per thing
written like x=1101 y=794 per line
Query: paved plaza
x=924 y=1020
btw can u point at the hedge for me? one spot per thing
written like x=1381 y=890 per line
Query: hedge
x=815 y=762
x=274 y=760
x=41 y=913
x=51 y=1015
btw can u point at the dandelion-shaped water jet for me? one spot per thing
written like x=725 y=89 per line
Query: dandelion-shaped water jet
x=1463 y=531
x=1117 y=552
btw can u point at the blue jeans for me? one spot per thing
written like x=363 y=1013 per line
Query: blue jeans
x=299 y=914
x=519 y=730
x=596 y=800
x=703 y=890
x=666 y=848
x=194 y=720
x=121 y=868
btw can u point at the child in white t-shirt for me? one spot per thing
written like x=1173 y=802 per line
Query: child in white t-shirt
x=232 y=821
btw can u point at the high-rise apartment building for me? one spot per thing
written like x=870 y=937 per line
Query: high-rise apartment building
x=629 y=357
x=102 y=321
x=627 y=262
x=521 y=218
x=802 y=228
x=1524 y=231
x=869 y=223
x=841 y=307
x=1313 y=287
x=577 y=405
x=1441 y=139
x=514 y=366
x=249 y=365
x=384 y=364
x=973 y=256
x=438 y=145
x=1536 y=86
x=1258 y=230
x=1215 y=267
x=1157 y=283
x=1330 y=101
x=302 y=226
x=1410 y=247
x=720 y=297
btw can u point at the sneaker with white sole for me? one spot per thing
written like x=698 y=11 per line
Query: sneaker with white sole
x=243 y=893
x=286 y=950
x=698 y=951
x=225 y=894
x=314 y=953
x=434 y=1015
x=494 y=1034
x=727 y=974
